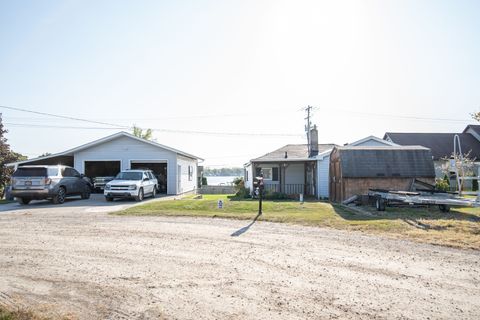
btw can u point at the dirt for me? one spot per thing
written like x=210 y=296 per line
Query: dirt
x=75 y=260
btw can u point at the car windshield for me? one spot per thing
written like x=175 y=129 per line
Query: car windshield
x=129 y=176
x=35 y=172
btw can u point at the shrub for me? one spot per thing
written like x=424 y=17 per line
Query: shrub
x=442 y=185
x=240 y=190
x=204 y=181
x=275 y=196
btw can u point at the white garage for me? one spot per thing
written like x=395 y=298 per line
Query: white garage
x=176 y=170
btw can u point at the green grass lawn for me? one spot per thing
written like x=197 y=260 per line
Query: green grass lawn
x=5 y=201
x=458 y=228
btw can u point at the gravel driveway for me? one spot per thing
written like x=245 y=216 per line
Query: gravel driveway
x=75 y=259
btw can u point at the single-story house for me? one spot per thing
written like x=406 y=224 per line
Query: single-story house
x=441 y=144
x=296 y=168
x=355 y=169
x=176 y=170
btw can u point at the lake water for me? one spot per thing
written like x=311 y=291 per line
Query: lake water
x=220 y=180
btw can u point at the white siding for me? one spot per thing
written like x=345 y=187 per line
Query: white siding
x=126 y=149
x=323 y=177
x=187 y=185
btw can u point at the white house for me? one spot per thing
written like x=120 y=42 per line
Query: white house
x=298 y=168
x=176 y=170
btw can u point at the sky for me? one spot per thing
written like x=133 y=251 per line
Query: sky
x=228 y=80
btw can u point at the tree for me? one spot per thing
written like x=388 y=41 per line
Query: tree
x=476 y=115
x=139 y=132
x=45 y=154
x=6 y=156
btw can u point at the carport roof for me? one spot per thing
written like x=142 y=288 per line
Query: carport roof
x=70 y=152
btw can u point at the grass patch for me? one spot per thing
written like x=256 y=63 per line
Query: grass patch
x=18 y=315
x=3 y=201
x=458 y=228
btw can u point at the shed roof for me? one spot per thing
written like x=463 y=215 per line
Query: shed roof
x=295 y=152
x=441 y=144
x=373 y=162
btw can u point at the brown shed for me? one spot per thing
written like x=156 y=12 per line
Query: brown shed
x=354 y=170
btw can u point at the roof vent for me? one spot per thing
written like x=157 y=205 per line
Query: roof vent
x=286 y=155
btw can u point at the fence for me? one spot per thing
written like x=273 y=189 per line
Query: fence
x=306 y=189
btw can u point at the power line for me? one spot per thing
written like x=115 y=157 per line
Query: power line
x=63 y=117
x=27 y=125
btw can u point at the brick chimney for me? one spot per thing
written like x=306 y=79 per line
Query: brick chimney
x=313 y=141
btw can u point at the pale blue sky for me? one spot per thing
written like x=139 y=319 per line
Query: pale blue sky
x=237 y=66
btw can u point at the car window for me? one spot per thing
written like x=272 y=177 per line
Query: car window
x=75 y=173
x=30 y=172
x=129 y=176
x=151 y=176
x=53 y=172
x=66 y=172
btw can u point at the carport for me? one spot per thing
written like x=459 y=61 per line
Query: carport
x=159 y=168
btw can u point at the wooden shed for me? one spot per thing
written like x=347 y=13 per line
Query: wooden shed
x=354 y=170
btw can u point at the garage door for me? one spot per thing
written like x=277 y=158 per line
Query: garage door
x=101 y=168
x=159 y=169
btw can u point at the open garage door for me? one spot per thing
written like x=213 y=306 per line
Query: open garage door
x=159 y=168
x=95 y=169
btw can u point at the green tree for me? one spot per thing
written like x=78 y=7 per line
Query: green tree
x=45 y=154
x=476 y=115
x=6 y=156
x=144 y=134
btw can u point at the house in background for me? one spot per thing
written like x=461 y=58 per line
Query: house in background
x=441 y=144
x=356 y=169
x=293 y=170
x=176 y=170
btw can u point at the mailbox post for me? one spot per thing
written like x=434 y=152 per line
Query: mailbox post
x=260 y=187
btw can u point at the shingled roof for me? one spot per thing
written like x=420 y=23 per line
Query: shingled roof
x=441 y=144
x=374 y=162
x=295 y=152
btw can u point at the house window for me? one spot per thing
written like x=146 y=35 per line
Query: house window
x=246 y=175
x=190 y=173
x=267 y=173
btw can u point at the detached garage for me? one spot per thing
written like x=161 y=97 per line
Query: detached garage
x=175 y=170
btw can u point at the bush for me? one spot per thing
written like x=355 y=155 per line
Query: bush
x=275 y=196
x=474 y=185
x=204 y=181
x=442 y=185
x=240 y=190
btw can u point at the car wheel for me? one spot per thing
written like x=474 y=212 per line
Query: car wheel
x=23 y=200
x=380 y=204
x=154 y=192
x=444 y=207
x=59 y=198
x=86 y=194
x=140 y=195
x=109 y=199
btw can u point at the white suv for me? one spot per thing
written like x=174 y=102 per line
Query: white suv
x=131 y=184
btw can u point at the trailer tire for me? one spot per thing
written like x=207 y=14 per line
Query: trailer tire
x=380 y=204
x=444 y=207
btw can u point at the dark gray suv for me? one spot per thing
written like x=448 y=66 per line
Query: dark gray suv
x=48 y=182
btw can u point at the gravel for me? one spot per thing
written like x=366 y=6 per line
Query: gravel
x=76 y=260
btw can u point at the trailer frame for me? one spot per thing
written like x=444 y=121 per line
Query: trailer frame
x=444 y=200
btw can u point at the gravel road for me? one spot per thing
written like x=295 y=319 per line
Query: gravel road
x=76 y=260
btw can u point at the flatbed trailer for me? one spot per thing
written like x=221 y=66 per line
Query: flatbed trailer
x=444 y=200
